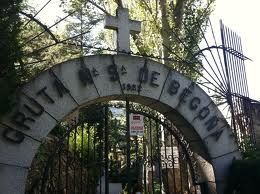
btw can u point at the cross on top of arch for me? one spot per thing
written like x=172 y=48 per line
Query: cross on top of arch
x=124 y=27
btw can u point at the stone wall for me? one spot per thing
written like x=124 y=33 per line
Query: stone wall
x=57 y=92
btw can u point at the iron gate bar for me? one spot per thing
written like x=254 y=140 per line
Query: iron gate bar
x=136 y=163
x=243 y=66
x=203 y=35
x=237 y=66
x=168 y=125
x=187 y=176
x=159 y=154
x=94 y=143
x=232 y=64
x=180 y=163
x=217 y=84
x=59 y=173
x=154 y=160
x=151 y=150
x=145 y=162
x=37 y=13
x=244 y=91
x=46 y=171
x=174 y=181
x=56 y=150
x=82 y=158
x=106 y=151
x=88 y=139
x=220 y=60
x=228 y=77
x=201 y=65
x=46 y=29
x=165 y=158
x=100 y=160
x=238 y=91
x=74 y=166
x=128 y=152
x=67 y=162
x=165 y=124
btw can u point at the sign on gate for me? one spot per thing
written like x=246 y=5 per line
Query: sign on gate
x=136 y=125
x=170 y=156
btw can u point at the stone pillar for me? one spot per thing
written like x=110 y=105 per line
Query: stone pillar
x=206 y=176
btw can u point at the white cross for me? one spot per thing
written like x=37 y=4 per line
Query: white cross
x=124 y=27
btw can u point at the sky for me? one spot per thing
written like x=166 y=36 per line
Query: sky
x=239 y=15
x=243 y=18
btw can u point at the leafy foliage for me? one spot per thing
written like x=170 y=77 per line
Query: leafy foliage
x=40 y=49
x=9 y=47
x=170 y=29
x=244 y=177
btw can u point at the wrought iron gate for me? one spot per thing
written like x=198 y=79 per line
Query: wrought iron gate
x=97 y=154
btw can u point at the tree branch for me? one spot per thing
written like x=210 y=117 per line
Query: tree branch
x=119 y=3
x=99 y=7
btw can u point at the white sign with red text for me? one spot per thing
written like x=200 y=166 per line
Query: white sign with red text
x=136 y=125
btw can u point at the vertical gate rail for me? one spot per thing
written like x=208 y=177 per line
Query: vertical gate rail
x=69 y=168
x=56 y=151
x=70 y=162
x=237 y=95
x=168 y=125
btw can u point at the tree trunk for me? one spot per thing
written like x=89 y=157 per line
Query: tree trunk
x=165 y=31
x=178 y=14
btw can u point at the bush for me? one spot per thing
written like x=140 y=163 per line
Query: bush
x=244 y=177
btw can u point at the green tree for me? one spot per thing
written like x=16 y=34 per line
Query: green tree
x=41 y=48
x=171 y=29
x=9 y=47
x=37 y=56
x=84 y=20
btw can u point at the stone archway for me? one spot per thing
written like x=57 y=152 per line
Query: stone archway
x=55 y=93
